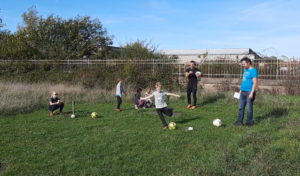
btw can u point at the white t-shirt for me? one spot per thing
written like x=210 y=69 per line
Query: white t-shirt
x=160 y=99
x=120 y=89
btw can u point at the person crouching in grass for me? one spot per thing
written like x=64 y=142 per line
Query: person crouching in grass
x=55 y=103
x=148 y=103
x=137 y=99
x=119 y=92
x=160 y=98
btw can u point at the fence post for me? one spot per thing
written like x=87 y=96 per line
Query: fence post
x=179 y=72
x=277 y=68
x=152 y=65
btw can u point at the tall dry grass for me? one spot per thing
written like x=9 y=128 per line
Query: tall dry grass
x=19 y=97
x=16 y=97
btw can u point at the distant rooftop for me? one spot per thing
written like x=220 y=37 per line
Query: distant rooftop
x=229 y=51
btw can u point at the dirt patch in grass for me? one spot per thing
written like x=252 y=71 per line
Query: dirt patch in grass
x=3 y=167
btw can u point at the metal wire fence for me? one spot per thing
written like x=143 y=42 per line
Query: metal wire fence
x=268 y=69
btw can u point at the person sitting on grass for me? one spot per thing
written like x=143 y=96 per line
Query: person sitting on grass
x=137 y=99
x=55 y=103
x=161 y=104
x=148 y=103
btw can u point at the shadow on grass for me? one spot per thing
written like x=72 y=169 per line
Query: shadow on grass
x=187 y=120
x=274 y=113
x=68 y=112
x=78 y=114
x=175 y=114
x=212 y=99
x=128 y=109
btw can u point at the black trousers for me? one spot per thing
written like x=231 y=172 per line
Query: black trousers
x=59 y=106
x=192 y=89
x=119 y=102
x=167 y=111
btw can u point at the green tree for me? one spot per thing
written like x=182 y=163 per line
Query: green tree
x=1 y=24
x=11 y=46
x=139 y=50
x=57 y=38
x=145 y=65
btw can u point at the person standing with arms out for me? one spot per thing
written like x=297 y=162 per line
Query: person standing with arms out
x=160 y=98
x=247 y=92
x=119 y=92
x=192 y=73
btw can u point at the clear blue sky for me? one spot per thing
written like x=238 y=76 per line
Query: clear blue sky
x=174 y=24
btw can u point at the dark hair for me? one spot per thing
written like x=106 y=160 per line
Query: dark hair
x=119 y=79
x=193 y=62
x=138 y=90
x=246 y=59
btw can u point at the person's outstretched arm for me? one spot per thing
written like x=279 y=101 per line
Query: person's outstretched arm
x=172 y=94
x=148 y=97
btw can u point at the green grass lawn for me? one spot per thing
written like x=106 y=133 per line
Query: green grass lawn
x=132 y=142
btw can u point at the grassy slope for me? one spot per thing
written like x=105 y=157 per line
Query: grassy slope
x=133 y=143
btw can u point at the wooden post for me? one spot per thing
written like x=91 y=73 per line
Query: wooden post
x=73 y=107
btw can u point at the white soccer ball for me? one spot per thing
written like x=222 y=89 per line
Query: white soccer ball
x=217 y=122
x=198 y=73
x=190 y=128
x=72 y=115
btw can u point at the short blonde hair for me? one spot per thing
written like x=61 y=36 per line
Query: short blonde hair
x=158 y=84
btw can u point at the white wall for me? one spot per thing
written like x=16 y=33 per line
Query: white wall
x=187 y=58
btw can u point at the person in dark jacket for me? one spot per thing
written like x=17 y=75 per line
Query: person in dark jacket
x=55 y=103
x=192 y=73
x=137 y=99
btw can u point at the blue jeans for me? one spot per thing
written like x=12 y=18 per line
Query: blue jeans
x=244 y=100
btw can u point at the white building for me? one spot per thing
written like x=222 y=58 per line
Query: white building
x=200 y=55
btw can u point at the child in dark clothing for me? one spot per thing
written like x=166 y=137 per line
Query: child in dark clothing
x=55 y=103
x=137 y=99
x=148 y=102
